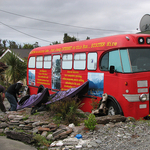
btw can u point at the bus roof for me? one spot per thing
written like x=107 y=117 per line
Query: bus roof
x=103 y=43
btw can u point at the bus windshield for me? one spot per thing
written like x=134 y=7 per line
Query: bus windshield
x=140 y=59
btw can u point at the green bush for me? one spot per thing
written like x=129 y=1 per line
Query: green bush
x=90 y=123
x=66 y=110
x=41 y=141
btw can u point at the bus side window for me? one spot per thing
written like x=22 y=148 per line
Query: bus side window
x=39 y=61
x=31 y=63
x=92 y=61
x=111 y=59
x=47 y=62
x=67 y=61
x=79 y=61
x=104 y=64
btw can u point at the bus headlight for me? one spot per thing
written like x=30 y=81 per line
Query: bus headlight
x=143 y=97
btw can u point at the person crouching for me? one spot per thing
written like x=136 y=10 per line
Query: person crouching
x=11 y=95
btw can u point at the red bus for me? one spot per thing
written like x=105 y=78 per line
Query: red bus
x=117 y=65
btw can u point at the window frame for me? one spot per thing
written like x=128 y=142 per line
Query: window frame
x=69 y=60
x=48 y=61
x=31 y=62
x=74 y=61
x=39 y=62
x=93 y=62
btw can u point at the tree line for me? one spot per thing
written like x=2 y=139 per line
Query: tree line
x=5 y=44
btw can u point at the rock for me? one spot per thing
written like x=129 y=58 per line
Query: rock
x=71 y=125
x=20 y=136
x=35 y=124
x=35 y=130
x=59 y=143
x=40 y=129
x=107 y=119
x=70 y=141
x=3 y=125
x=44 y=133
x=130 y=119
x=1 y=130
x=49 y=137
x=53 y=127
x=13 y=117
x=3 y=119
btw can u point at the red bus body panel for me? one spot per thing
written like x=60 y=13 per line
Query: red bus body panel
x=119 y=85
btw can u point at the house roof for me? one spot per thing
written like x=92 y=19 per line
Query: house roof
x=21 y=53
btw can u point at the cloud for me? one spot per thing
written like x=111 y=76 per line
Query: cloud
x=110 y=17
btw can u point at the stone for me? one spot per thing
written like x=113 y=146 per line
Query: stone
x=40 y=129
x=107 y=119
x=1 y=130
x=49 y=137
x=78 y=129
x=3 y=125
x=27 y=127
x=128 y=119
x=98 y=141
x=84 y=143
x=59 y=143
x=71 y=125
x=35 y=124
x=2 y=119
x=12 y=117
x=53 y=127
x=20 y=136
x=78 y=146
x=44 y=133
x=35 y=130
x=6 y=129
x=70 y=141
x=92 y=144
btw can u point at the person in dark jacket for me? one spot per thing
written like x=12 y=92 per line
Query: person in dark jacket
x=2 y=90
x=11 y=95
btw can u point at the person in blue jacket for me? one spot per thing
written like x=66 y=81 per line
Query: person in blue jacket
x=11 y=95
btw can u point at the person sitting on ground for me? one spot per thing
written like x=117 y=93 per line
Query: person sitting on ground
x=11 y=94
x=2 y=90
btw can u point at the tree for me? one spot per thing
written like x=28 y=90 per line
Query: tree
x=13 y=45
x=28 y=46
x=67 y=38
x=87 y=38
x=4 y=44
x=55 y=42
x=36 y=44
x=16 y=68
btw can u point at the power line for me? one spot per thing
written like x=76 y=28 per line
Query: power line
x=60 y=23
x=25 y=33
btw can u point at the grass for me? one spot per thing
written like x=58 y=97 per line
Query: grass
x=26 y=117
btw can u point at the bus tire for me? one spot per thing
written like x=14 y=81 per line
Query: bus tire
x=113 y=107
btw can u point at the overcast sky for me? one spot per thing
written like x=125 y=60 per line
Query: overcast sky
x=46 y=21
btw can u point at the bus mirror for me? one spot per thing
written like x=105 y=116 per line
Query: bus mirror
x=112 y=69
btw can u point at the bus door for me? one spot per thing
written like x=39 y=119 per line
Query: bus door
x=56 y=72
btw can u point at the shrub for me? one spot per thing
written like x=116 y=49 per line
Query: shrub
x=40 y=140
x=90 y=123
x=66 y=110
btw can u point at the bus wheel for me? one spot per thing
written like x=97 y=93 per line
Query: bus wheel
x=112 y=109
